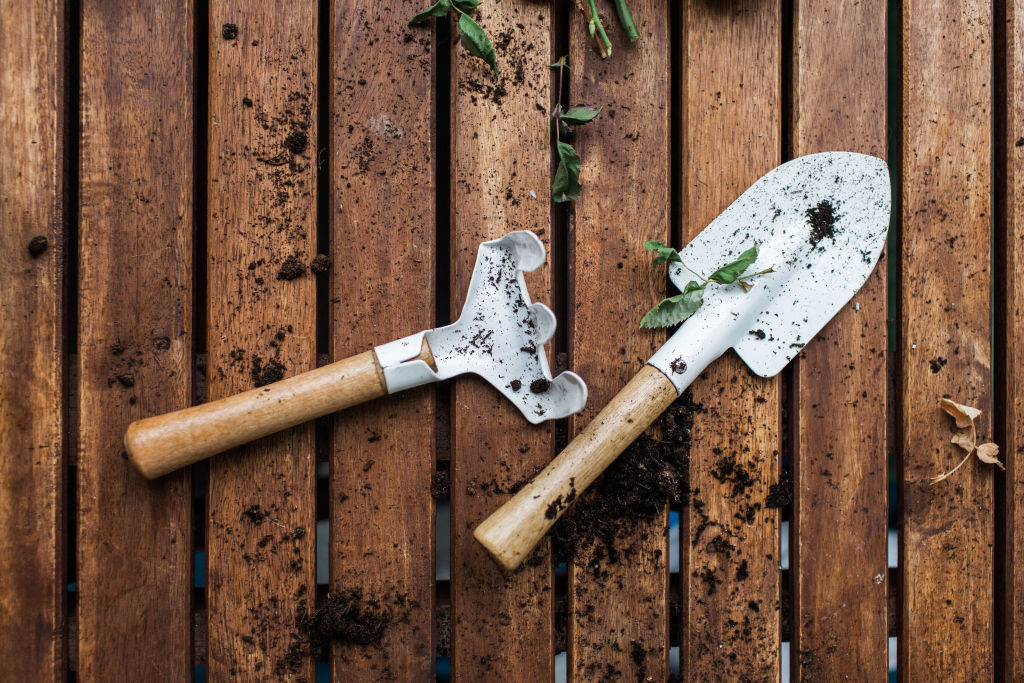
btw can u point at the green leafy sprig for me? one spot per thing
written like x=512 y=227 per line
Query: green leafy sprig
x=595 y=26
x=472 y=36
x=675 y=309
x=566 y=186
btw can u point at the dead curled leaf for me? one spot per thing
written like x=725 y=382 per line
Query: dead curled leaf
x=967 y=439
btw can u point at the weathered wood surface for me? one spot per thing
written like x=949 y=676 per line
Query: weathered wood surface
x=261 y=212
x=612 y=284
x=500 y=181
x=135 y=335
x=381 y=155
x=945 y=337
x=32 y=438
x=729 y=559
x=840 y=455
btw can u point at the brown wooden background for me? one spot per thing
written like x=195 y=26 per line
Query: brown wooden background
x=125 y=140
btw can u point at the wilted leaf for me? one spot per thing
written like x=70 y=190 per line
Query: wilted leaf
x=964 y=440
x=664 y=253
x=746 y=285
x=987 y=453
x=438 y=9
x=579 y=115
x=567 y=176
x=964 y=415
x=476 y=41
x=675 y=309
x=728 y=273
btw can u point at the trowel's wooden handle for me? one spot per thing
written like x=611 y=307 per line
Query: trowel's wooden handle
x=511 y=533
x=162 y=444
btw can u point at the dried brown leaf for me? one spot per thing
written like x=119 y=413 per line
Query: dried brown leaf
x=964 y=440
x=987 y=453
x=964 y=415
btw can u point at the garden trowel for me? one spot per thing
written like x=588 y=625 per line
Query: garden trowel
x=819 y=223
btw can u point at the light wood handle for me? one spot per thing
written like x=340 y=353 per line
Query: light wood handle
x=511 y=533
x=162 y=444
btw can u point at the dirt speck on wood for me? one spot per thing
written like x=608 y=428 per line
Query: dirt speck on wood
x=266 y=373
x=291 y=268
x=229 y=31
x=320 y=265
x=37 y=245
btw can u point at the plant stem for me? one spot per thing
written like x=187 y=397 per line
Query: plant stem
x=702 y=278
x=603 y=43
x=626 y=19
x=760 y=272
x=558 y=104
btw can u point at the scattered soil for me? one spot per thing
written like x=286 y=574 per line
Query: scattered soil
x=229 y=31
x=937 y=364
x=678 y=366
x=780 y=494
x=516 y=385
x=247 y=101
x=291 y=269
x=297 y=141
x=37 y=245
x=320 y=265
x=441 y=484
x=540 y=385
x=822 y=219
x=266 y=373
x=650 y=473
x=758 y=333
x=254 y=514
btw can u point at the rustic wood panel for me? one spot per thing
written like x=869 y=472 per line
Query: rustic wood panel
x=1011 y=290
x=840 y=460
x=261 y=214
x=32 y=184
x=382 y=213
x=624 y=148
x=946 y=139
x=729 y=558
x=135 y=344
x=500 y=159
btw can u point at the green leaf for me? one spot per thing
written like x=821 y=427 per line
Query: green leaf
x=728 y=273
x=467 y=5
x=577 y=116
x=476 y=41
x=567 y=177
x=664 y=253
x=438 y=9
x=563 y=62
x=675 y=309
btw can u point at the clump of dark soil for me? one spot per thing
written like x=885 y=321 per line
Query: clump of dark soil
x=649 y=474
x=297 y=141
x=229 y=31
x=539 y=385
x=247 y=101
x=37 y=245
x=516 y=385
x=291 y=269
x=254 y=514
x=345 y=617
x=440 y=484
x=780 y=494
x=266 y=373
x=320 y=265
x=822 y=219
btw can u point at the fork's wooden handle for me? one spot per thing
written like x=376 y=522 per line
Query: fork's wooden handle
x=162 y=444
x=511 y=533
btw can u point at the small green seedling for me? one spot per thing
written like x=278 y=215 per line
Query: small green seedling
x=472 y=36
x=675 y=309
x=566 y=186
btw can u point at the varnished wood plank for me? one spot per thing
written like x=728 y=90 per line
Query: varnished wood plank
x=135 y=346
x=382 y=215
x=261 y=157
x=619 y=616
x=729 y=559
x=32 y=184
x=1012 y=290
x=946 y=175
x=501 y=624
x=840 y=474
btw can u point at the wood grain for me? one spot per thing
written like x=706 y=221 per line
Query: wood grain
x=32 y=196
x=261 y=212
x=1012 y=303
x=625 y=201
x=840 y=472
x=382 y=213
x=500 y=164
x=946 y=544
x=135 y=336
x=729 y=559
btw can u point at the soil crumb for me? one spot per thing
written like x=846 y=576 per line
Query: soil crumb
x=247 y=101
x=266 y=373
x=516 y=385
x=297 y=141
x=780 y=494
x=37 y=245
x=650 y=473
x=229 y=31
x=822 y=219
x=440 y=484
x=291 y=269
x=320 y=265
x=254 y=514
x=540 y=385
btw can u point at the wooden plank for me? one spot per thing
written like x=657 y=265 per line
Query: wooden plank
x=135 y=335
x=619 y=617
x=729 y=559
x=1011 y=293
x=500 y=158
x=32 y=184
x=261 y=218
x=946 y=140
x=840 y=473
x=383 y=256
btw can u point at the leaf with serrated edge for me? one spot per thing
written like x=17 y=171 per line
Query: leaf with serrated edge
x=987 y=453
x=438 y=9
x=964 y=415
x=664 y=253
x=728 y=273
x=675 y=309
